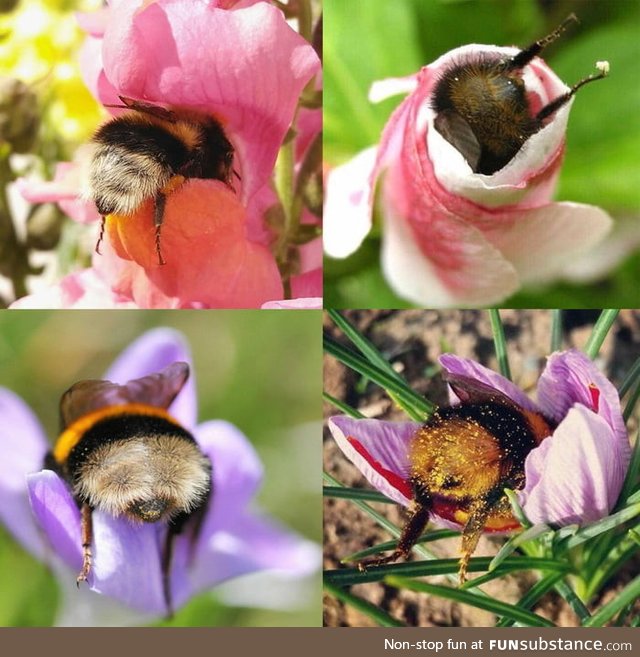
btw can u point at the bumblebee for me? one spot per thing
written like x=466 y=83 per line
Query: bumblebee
x=122 y=453
x=461 y=460
x=148 y=152
x=482 y=108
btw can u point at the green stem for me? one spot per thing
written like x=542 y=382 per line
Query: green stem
x=500 y=343
x=13 y=254
x=600 y=331
x=556 y=330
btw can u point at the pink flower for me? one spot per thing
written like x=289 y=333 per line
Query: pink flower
x=249 y=76
x=452 y=236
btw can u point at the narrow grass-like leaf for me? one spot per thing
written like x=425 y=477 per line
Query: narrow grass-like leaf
x=342 y=406
x=374 y=612
x=630 y=406
x=603 y=525
x=572 y=600
x=516 y=541
x=600 y=331
x=367 y=348
x=633 y=474
x=630 y=593
x=500 y=343
x=533 y=595
x=465 y=597
x=351 y=576
x=412 y=403
x=391 y=545
x=609 y=568
x=632 y=378
x=517 y=509
x=355 y=494
x=556 y=330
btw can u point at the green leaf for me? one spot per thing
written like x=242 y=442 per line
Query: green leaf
x=416 y=406
x=355 y=494
x=600 y=331
x=500 y=343
x=516 y=541
x=363 y=606
x=351 y=576
x=464 y=597
x=630 y=593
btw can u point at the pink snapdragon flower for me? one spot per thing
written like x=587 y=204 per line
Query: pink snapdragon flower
x=574 y=476
x=242 y=63
x=452 y=237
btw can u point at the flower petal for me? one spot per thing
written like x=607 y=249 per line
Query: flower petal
x=152 y=352
x=237 y=470
x=126 y=557
x=571 y=377
x=468 y=368
x=575 y=475
x=379 y=450
x=209 y=259
x=247 y=542
x=443 y=263
x=58 y=516
x=153 y=51
x=23 y=446
x=304 y=303
x=543 y=240
x=126 y=562
x=347 y=208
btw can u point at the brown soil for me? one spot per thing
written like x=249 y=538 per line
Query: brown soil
x=412 y=340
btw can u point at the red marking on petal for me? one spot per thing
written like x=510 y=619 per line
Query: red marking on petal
x=595 y=396
x=395 y=480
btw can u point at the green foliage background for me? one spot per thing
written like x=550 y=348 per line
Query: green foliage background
x=368 y=41
x=256 y=369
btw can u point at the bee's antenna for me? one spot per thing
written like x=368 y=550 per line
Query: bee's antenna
x=526 y=55
x=558 y=102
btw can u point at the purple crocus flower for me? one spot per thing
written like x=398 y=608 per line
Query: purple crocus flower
x=573 y=476
x=234 y=539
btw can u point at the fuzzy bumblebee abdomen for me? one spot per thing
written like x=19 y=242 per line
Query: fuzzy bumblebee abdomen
x=132 y=162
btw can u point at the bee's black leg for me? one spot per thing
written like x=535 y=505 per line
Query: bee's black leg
x=410 y=534
x=158 y=216
x=167 y=554
x=86 y=532
x=101 y=235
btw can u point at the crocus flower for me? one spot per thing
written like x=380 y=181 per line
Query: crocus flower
x=214 y=239
x=573 y=476
x=234 y=539
x=452 y=236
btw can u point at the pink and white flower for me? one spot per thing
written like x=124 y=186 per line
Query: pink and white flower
x=452 y=237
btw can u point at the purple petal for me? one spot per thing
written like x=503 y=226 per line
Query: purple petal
x=126 y=562
x=149 y=354
x=575 y=475
x=23 y=447
x=483 y=375
x=379 y=450
x=244 y=543
x=126 y=557
x=58 y=516
x=570 y=377
x=237 y=470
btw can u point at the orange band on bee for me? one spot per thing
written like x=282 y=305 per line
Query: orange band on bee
x=74 y=433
